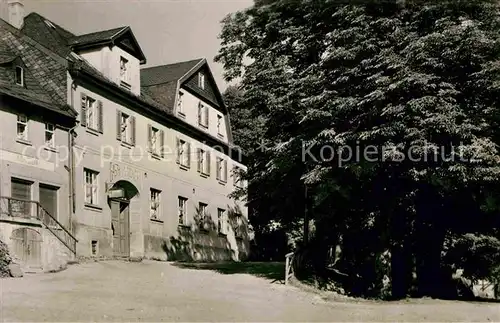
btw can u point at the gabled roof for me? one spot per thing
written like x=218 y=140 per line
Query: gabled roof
x=166 y=73
x=162 y=83
x=122 y=37
x=44 y=72
x=96 y=37
x=47 y=33
x=62 y=42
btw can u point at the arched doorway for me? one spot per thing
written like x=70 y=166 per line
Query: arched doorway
x=119 y=197
x=27 y=247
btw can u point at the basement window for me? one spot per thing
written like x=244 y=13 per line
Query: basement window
x=94 y=247
x=19 y=76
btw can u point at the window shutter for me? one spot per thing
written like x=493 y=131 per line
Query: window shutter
x=100 y=116
x=83 y=116
x=206 y=116
x=188 y=154
x=235 y=173
x=162 y=143
x=132 y=124
x=208 y=162
x=200 y=108
x=224 y=169
x=217 y=166
x=118 y=125
x=178 y=149
x=150 y=138
x=198 y=153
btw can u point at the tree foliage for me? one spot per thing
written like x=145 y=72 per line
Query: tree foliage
x=387 y=111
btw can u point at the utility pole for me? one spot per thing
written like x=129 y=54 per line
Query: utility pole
x=306 y=218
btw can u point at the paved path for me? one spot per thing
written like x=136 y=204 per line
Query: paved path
x=155 y=291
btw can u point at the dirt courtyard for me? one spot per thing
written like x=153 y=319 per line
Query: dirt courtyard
x=158 y=291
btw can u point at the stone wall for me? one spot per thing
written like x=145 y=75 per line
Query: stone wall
x=54 y=254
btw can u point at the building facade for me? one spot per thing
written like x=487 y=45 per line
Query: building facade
x=152 y=162
x=34 y=134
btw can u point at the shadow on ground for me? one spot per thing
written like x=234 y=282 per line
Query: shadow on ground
x=274 y=271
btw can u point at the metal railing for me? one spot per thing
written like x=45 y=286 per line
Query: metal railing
x=288 y=266
x=26 y=209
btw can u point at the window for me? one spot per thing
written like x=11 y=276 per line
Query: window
x=91 y=113
x=183 y=153
x=202 y=209
x=221 y=166
x=154 y=210
x=22 y=127
x=221 y=221
x=19 y=75
x=182 y=210
x=124 y=70
x=94 y=246
x=180 y=107
x=203 y=115
x=49 y=135
x=240 y=229
x=126 y=128
x=201 y=80
x=91 y=186
x=155 y=140
x=203 y=161
x=219 y=125
x=237 y=180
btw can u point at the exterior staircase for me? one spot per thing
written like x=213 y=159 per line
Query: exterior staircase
x=51 y=242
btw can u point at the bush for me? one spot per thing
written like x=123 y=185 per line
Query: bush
x=5 y=260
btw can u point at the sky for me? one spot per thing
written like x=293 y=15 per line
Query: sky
x=168 y=31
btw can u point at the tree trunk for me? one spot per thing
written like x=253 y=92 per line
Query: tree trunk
x=400 y=256
x=430 y=277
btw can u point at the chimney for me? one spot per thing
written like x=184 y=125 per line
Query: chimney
x=16 y=13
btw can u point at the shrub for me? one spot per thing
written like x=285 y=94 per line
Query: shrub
x=5 y=260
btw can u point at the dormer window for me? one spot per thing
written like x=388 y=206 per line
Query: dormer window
x=180 y=107
x=201 y=80
x=19 y=76
x=124 y=70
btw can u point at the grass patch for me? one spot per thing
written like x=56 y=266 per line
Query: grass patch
x=274 y=271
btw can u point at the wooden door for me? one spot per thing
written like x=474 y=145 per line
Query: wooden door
x=120 y=227
x=27 y=247
x=48 y=200
x=21 y=192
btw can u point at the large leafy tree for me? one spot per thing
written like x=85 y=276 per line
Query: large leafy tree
x=386 y=111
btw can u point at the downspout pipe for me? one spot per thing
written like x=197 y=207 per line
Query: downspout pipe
x=71 y=166
x=71 y=144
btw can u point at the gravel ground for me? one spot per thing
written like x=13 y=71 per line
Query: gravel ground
x=157 y=291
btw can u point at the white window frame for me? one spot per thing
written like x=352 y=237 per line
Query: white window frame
x=204 y=161
x=126 y=128
x=180 y=106
x=219 y=125
x=124 y=70
x=183 y=153
x=91 y=183
x=203 y=119
x=221 y=165
x=92 y=111
x=201 y=80
x=21 y=81
x=50 y=132
x=155 y=142
x=22 y=120
x=222 y=221
x=154 y=203
x=181 y=210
